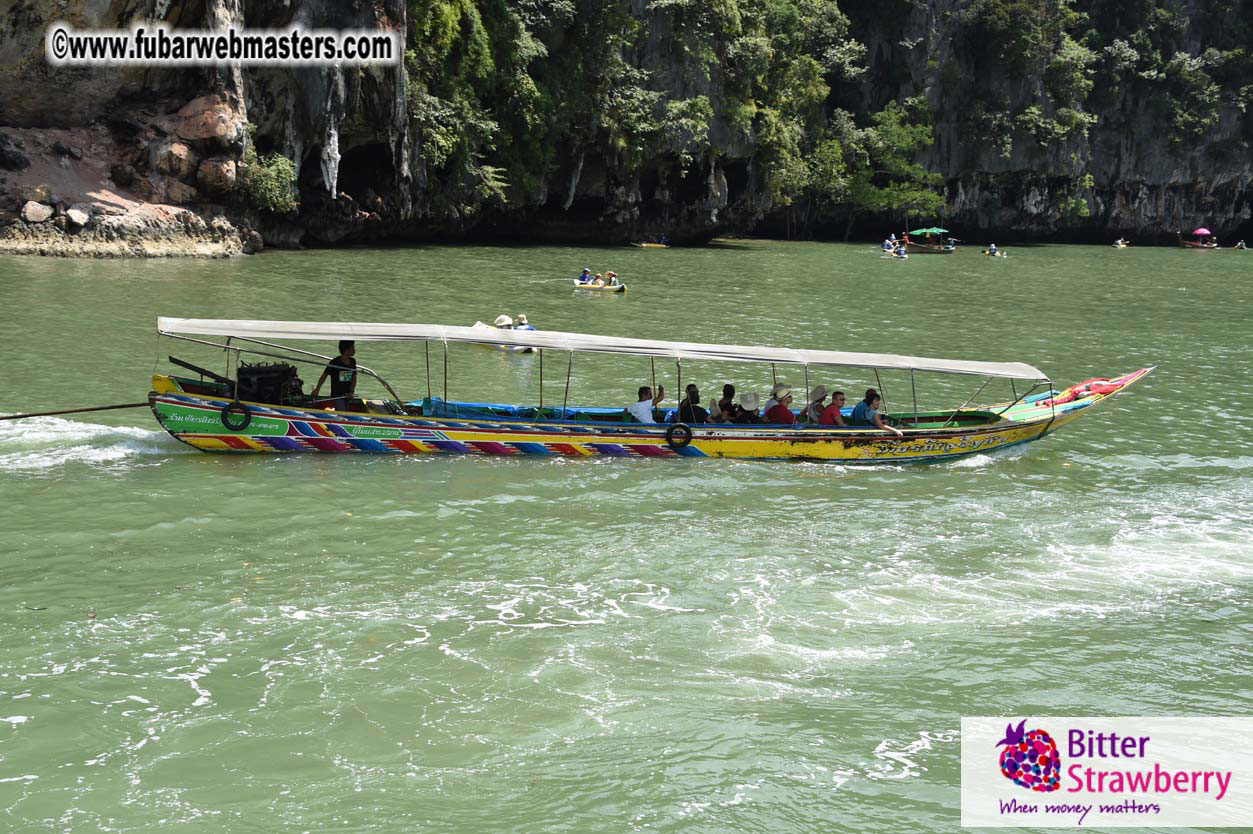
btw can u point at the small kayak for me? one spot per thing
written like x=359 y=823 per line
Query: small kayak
x=602 y=287
x=996 y=254
x=509 y=348
x=649 y=245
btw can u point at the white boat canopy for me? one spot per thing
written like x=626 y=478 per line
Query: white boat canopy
x=582 y=342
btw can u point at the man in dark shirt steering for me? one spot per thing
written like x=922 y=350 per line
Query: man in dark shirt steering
x=343 y=373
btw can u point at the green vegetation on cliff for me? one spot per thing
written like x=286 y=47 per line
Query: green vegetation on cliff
x=509 y=100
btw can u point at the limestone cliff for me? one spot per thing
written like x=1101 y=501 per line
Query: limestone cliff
x=1025 y=153
x=641 y=118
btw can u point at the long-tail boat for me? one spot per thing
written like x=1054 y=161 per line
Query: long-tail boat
x=262 y=409
x=1200 y=235
x=932 y=245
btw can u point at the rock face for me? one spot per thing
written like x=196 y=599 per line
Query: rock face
x=34 y=212
x=212 y=120
x=362 y=144
x=216 y=176
x=11 y=156
x=170 y=157
x=1003 y=172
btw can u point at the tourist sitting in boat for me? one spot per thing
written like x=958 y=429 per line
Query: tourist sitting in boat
x=774 y=395
x=598 y=280
x=690 y=410
x=833 y=415
x=901 y=252
x=342 y=371
x=723 y=410
x=642 y=409
x=866 y=414
x=585 y=277
x=1240 y=244
x=991 y=248
x=503 y=322
x=746 y=411
x=780 y=413
x=611 y=279
x=888 y=246
x=523 y=324
x=813 y=411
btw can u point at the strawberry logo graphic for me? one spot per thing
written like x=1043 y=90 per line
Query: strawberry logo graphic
x=1030 y=759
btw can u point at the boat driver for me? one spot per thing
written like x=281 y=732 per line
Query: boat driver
x=343 y=373
x=642 y=409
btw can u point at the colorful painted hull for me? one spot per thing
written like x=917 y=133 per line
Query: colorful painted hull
x=197 y=420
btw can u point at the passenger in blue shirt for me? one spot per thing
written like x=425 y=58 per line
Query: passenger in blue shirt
x=586 y=276
x=522 y=323
x=866 y=414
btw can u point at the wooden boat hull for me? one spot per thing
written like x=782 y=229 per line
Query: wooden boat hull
x=928 y=249
x=197 y=420
x=1190 y=244
x=603 y=288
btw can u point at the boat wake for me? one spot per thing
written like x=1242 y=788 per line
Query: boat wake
x=48 y=442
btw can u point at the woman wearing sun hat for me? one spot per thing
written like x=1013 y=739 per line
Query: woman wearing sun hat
x=780 y=413
x=774 y=395
x=813 y=411
x=503 y=322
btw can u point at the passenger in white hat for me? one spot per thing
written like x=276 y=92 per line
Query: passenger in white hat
x=746 y=411
x=523 y=324
x=503 y=322
x=774 y=395
x=781 y=413
x=813 y=411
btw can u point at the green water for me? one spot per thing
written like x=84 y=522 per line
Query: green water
x=324 y=643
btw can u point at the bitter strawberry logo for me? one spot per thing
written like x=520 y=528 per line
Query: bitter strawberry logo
x=1030 y=758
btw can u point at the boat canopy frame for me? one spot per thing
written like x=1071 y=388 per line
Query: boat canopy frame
x=257 y=330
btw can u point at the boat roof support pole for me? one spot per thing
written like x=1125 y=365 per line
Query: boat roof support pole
x=445 y=373
x=1025 y=394
x=967 y=402
x=565 y=400
x=882 y=393
x=361 y=368
x=541 y=384
x=678 y=417
x=427 y=347
x=913 y=389
x=808 y=400
x=774 y=376
x=652 y=365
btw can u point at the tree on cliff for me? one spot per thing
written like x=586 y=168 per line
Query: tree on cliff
x=884 y=178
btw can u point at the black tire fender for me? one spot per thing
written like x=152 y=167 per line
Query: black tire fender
x=236 y=407
x=678 y=435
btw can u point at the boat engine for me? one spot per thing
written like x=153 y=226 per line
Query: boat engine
x=276 y=383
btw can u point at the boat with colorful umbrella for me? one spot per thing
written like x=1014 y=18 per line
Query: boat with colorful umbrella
x=932 y=245
x=261 y=408
x=1200 y=233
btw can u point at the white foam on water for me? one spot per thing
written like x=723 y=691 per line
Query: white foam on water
x=48 y=442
